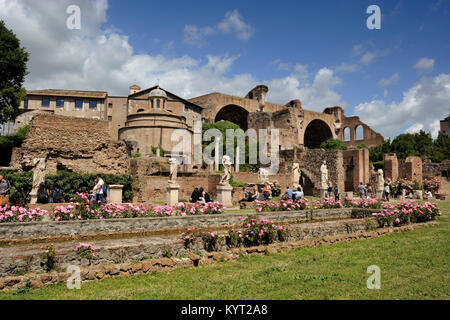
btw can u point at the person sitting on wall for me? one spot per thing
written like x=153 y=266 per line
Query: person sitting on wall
x=361 y=190
x=247 y=195
x=56 y=195
x=97 y=192
x=287 y=194
x=298 y=194
x=204 y=196
x=265 y=192
x=195 y=196
x=42 y=194
x=4 y=191
x=428 y=194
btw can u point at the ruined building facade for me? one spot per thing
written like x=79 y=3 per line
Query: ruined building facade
x=90 y=131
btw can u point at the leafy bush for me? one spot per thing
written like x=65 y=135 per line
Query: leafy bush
x=333 y=144
x=71 y=182
x=20 y=186
x=8 y=142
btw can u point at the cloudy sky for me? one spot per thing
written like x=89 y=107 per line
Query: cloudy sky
x=396 y=79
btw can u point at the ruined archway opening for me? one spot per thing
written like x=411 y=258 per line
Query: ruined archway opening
x=316 y=132
x=235 y=114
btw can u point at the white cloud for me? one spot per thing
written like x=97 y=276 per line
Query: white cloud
x=368 y=57
x=196 y=36
x=315 y=95
x=347 y=67
x=389 y=81
x=95 y=59
x=424 y=64
x=421 y=108
x=233 y=23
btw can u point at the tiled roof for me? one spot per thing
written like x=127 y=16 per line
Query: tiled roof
x=69 y=93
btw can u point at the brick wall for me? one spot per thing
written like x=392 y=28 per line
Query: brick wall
x=82 y=145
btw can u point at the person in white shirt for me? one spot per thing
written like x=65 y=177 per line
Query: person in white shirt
x=97 y=192
x=387 y=191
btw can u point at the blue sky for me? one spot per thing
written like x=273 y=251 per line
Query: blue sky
x=396 y=79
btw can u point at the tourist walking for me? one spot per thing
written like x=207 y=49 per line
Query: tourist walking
x=361 y=190
x=330 y=191
x=97 y=192
x=5 y=187
x=387 y=191
x=336 y=193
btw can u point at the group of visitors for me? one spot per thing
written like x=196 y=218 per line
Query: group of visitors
x=333 y=191
x=250 y=194
x=200 y=195
x=365 y=191
x=295 y=194
x=47 y=195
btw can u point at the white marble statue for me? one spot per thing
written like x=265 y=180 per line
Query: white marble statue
x=380 y=179
x=324 y=175
x=173 y=169
x=296 y=174
x=225 y=179
x=38 y=177
x=263 y=175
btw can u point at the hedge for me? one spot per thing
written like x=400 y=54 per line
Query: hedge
x=69 y=182
x=20 y=186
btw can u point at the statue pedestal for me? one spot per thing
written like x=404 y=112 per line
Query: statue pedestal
x=172 y=194
x=33 y=197
x=224 y=195
x=380 y=194
x=323 y=193
x=115 y=193
x=418 y=194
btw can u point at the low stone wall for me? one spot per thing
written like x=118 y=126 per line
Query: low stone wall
x=13 y=232
x=102 y=271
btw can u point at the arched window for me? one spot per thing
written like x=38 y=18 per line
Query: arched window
x=152 y=104
x=140 y=110
x=158 y=103
x=347 y=134
x=359 y=132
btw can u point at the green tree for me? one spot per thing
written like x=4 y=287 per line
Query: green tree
x=13 y=68
x=362 y=146
x=333 y=144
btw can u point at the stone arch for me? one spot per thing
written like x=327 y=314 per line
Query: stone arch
x=359 y=132
x=235 y=114
x=316 y=132
x=346 y=134
x=307 y=182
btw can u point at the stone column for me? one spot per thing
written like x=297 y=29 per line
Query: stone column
x=224 y=195
x=236 y=161
x=172 y=194
x=216 y=156
x=115 y=193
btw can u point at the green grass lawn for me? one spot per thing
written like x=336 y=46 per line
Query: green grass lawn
x=414 y=265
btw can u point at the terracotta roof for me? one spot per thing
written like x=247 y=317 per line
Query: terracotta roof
x=69 y=93
x=168 y=93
